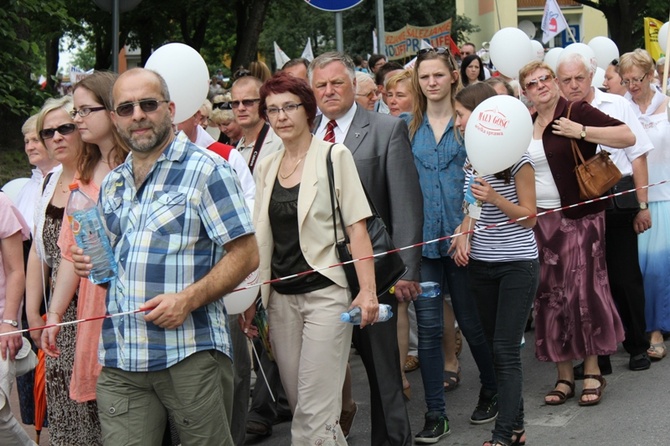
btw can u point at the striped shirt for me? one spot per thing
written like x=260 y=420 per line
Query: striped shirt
x=166 y=235
x=505 y=243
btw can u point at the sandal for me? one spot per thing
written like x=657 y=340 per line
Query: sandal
x=598 y=391
x=411 y=363
x=451 y=379
x=657 y=351
x=562 y=397
x=518 y=438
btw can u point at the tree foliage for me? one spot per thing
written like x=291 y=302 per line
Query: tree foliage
x=625 y=19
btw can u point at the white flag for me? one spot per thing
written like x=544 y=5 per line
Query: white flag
x=280 y=57
x=553 y=21
x=307 y=52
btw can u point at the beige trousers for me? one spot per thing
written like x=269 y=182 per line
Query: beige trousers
x=311 y=346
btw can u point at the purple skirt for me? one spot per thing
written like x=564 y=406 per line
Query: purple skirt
x=575 y=315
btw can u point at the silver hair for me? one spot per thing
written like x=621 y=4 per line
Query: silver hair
x=590 y=65
x=329 y=57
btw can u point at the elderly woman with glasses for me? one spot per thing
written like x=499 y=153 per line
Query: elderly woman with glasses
x=575 y=316
x=366 y=91
x=650 y=106
x=294 y=228
x=439 y=157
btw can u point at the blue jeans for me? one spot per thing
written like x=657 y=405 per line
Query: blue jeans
x=504 y=293
x=429 y=315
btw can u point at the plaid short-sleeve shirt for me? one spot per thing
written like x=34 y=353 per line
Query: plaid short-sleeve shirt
x=166 y=235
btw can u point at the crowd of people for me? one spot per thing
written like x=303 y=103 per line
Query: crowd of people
x=192 y=208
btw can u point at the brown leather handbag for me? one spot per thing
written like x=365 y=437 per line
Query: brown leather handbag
x=596 y=175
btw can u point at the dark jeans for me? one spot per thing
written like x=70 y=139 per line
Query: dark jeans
x=430 y=321
x=623 y=271
x=504 y=293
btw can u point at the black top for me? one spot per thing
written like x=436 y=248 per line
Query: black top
x=287 y=258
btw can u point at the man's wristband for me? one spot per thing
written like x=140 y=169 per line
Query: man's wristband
x=14 y=324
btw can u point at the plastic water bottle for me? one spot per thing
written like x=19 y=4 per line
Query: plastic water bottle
x=89 y=232
x=429 y=290
x=353 y=316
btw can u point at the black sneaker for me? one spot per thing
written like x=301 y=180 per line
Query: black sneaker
x=639 y=362
x=486 y=410
x=435 y=428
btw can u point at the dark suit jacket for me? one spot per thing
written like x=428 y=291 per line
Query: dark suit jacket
x=383 y=155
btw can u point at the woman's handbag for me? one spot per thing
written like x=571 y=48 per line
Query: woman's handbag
x=389 y=268
x=596 y=175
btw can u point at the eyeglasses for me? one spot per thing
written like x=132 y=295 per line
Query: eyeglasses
x=64 y=129
x=531 y=85
x=370 y=95
x=440 y=50
x=147 y=105
x=246 y=102
x=83 y=112
x=222 y=105
x=634 y=81
x=288 y=109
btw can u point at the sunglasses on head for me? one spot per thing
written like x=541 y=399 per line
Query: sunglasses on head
x=241 y=73
x=147 y=105
x=440 y=50
x=222 y=105
x=64 y=129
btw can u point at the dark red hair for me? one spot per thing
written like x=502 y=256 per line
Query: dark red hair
x=282 y=82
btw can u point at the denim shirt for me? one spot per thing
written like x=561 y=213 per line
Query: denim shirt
x=441 y=177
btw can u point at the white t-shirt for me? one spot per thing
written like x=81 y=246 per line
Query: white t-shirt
x=546 y=191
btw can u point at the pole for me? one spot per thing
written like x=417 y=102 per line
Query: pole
x=381 y=38
x=339 y=41
x=665 y=69
x=115 y=36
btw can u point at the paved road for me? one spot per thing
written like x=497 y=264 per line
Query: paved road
x=635 y=409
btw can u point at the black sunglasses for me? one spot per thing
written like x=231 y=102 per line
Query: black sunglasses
x=222 y=105
x=147 y=105
x=64 y=129
x=241 y=72
x=246 y=102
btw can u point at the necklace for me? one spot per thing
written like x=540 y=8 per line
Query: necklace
x=539 y=121
x=283 y=177
x=65 y=191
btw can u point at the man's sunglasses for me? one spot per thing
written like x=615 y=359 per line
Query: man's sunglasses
x=147 y=105
x=246 y=102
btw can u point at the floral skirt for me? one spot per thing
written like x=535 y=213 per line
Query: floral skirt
x=575 y=315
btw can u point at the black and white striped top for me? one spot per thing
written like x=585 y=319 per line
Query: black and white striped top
x=505 y=243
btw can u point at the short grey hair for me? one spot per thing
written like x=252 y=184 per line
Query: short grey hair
x=578 y=58
x=329 y=57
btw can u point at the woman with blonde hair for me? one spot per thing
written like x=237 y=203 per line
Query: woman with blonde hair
x=70 y=422
x=400 y=93
x=650 y=106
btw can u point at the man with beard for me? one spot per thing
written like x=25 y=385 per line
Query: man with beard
x=183 y=238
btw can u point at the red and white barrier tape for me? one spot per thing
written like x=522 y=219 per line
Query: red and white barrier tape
x=416 y=245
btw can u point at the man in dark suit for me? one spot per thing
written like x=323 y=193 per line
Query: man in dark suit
x=383 y=155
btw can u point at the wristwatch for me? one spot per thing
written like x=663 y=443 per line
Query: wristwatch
x=582 y=135
x=14 y=324
x=643 y=206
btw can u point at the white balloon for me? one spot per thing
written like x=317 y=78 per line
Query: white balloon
x=584 y=50
x=510 y=50
x=598 y=78
x=498 y=132
x=663 y=36
x=186 y=75
x=528 y=28
x=551 y=58
x=538 y=50
x=605 y=50
x=238 y=301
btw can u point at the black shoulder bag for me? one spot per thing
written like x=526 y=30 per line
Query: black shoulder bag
x=389 y=268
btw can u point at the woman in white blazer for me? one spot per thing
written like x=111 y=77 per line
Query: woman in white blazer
x=294 y=229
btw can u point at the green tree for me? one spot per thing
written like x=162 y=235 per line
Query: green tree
x=625 y=19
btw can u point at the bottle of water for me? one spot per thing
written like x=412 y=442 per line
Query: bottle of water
x=89 y=232
x=429 y=290
x=353 y=316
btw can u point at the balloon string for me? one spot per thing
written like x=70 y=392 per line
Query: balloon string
x=373 y=256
